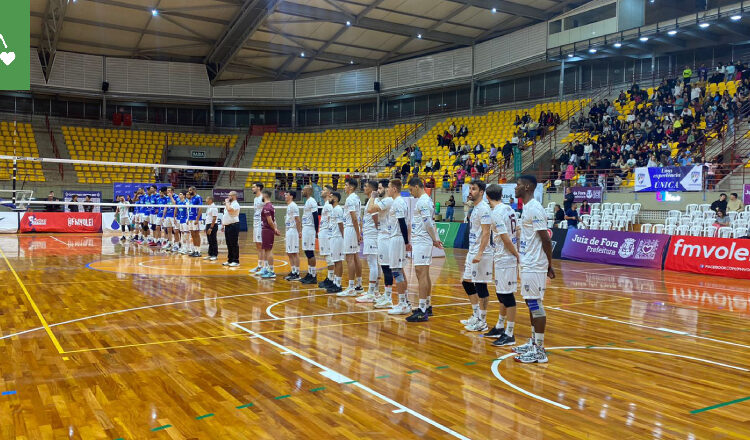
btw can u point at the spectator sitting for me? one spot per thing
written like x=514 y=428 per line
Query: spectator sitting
x=734 y=204
x=88 y=207
x=428 y=166
x=452 y=128
x=585 y=208
x=478 y=149
x=462 y=132
x=391 y=161
x=571 y=215
x=493 y=153
x=722 y=219
x=721 y=204
x=52 y=207
x=559 y=215
x=436 y=165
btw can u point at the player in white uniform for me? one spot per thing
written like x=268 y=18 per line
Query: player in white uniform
x=324 y=236
x=380 y=207
x=293 y=234
x=423 y=237
x=399 y=238
x=352 y=238
x=478 y=266
x=258 y=226
x=370 y=245
x=309 y=226
x=122 y=216
x=504 y=233
x=336 y=242
x=536 y=265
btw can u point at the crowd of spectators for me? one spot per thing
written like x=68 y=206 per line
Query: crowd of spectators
x=679 y=113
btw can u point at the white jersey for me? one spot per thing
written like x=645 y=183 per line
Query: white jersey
x=309 y=211
x=353 y=204
x=122 y=209
x=369 y=230
x=533 y=219
x=337 y=217
x=325 y=220
x=503 y=222
x=384 y=217
x=257 y=208
x=480 y=215
x=398 y=210
x=292 y=212
x=421 y=220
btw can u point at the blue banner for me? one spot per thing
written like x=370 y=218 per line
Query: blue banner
x=669 y=179
x=128 y=188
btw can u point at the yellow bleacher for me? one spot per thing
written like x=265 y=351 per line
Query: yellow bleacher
x=202 y=140
x=332 y=150
x=493 y=128
x=18 y=139
x=110 y=145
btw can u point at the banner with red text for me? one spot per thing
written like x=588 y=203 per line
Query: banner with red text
x=712 y=256
x=61 y=222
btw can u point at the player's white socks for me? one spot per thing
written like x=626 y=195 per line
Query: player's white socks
x=388 y=291
x=423 y=305
x=500 y=322
x=539 y=339
x=402 y=298
x=331 y=276
x=483 y=315
x=337 y=281
x=351 y=284
x=312 y=271
x=509 y=328
x=295 y=269
x=359 y=281
x=475 y=310
x=373 y=287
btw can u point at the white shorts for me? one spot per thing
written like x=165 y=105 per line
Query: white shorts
x=370 y=246
x=396 y=252
x=506 y=277
x=168 y=222
x=533 y=285
x=325 y=245
x=308 y=239
x=138 y=218
x=152 y=218
x=351 y=243
x=292 y=241
x=421 y=254
x=257 y=234
x=336 y=245
x=183 y=227
x=384 y=258
x=193 y=225
x=480 y=272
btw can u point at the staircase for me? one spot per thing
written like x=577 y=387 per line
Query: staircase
x=421 y=128
x=49 y=140
x=241 y=156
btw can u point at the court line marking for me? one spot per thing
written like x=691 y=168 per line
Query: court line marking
x=358 y=385
x=39 y=315
x=661 y=329
x=57 y=239
x=496 y=371
x=719 y=405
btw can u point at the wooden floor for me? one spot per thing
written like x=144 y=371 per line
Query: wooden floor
x=142 y=345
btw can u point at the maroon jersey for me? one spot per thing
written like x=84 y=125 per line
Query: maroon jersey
x=267 y=210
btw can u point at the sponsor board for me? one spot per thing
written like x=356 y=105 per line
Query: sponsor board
x=128 y=188
x=8 y=222
x=712 y=256
x=61 y=222
x=615 y=247
x=220 y=194
x=746 y=194
x=669 y=179
x=593 y=194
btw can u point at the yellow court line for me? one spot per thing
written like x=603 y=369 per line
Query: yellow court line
x=52 y=336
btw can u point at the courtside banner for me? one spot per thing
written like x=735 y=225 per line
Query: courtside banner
x=669 y=179
x=128 y=188
x=712 y=256
x=615 y=247
x=8 y=222
x=558 y=241
x=61 y=222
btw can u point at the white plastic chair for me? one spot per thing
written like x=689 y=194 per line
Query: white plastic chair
x=658 y=229
x=710 y=231
x=617 y=207
x=606 y=226
x=606 y=206
x=670 y=229
x=551 y=206
x=550 y=224
x=636 y=207
x=683 y=230
x=704 y=207
x=673 y=213
x=725 y=232
x=671 y=221
x=595 y=206
x=696 y=231
x=646 y=228
x=732 y=215
x=691 y=207
x=740 y=232
x=626 y=206
x=594 y=225
x=585 y=219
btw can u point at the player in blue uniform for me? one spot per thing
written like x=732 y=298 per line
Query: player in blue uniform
x=182 y=215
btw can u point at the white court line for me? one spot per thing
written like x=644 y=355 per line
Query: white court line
x=57 y=239
x=496 y=371
x=331 y=372
x=661 y=329
x=115 y=312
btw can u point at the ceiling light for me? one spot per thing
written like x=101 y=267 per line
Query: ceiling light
x=348 y=23
x=735 y=17
x=592 y=50
x=704 y=25
x=494 y=10
x=671 y=33
x=643 y=39
x=419 y=36
x=617 y=45
x=570 y=55
x=154 y=12
x=302 y=54
x=351 y=61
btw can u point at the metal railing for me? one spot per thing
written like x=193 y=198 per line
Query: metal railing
x=55 y=149
x=411 y=132
x=240 y=155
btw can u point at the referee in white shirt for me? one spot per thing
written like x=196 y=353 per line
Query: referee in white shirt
x=212 y=215
x=231 y=226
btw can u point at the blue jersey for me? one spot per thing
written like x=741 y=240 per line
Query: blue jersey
x=141 y=205
x=182 y=211
x=153 y=200
x=171 y=211
x=195 y=201
x=161 y=201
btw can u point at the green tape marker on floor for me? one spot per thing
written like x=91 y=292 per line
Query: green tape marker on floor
x=719 y=405
x=247 y=405
x=283 y=397
x=383 y=377
x=442 y=367
x=350 y=382
x=611 y=343
x=590 y=346
x=569 y=349
x=317 y=389
x=470 y=363
x=630 y=340
x=412 y=372
x=161 y=427
x=648 y=339
x=204 y=416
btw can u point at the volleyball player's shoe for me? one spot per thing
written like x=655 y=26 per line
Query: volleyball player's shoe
x=349 y=291
x=268 y=274
x=418 y=316
x=325 y=284
x=309 y=279
x=292 y=276
x=536 y=355
x=469 y=321
x=479 y=325
x=365 y=298
x=385 y=302
x=495 y=333
x=504 y=340
x=402 y=308
x=334 y=289
x=521 y=349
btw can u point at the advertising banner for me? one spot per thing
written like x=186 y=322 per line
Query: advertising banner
x=746 y=192
x=220 y=194
x=593 y=194
x=615 y=247
x=8 y=222
x=669 y=179
x=558 y=241
x=96 y=197
x=447 y=232
x=61 y=222
x=128 y=188
x=727 y=257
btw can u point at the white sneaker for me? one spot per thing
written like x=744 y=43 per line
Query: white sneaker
x=349 y=291
x=184 y=251
x=384 y=303
x=256 y=269
x=470 y=321
x=477 y=326
x=402 y=308
x=233 y=264
x=212 y=258
x=175 y=248
x=206 y=257
x=366 y=298
x=525 y=348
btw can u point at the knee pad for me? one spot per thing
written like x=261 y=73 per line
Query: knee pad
x=310 y=254
x=144 y=226
x=398 y=275
x=536 y=307
x=482 y=290
x=387 y=275
x=469 y=287
x=507 y=299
